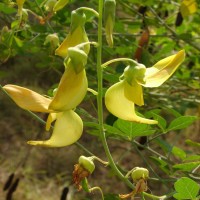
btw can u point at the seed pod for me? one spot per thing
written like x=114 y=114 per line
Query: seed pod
x=109 y=19
x=87 y=163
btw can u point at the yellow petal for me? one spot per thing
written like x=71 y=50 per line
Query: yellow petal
x=28 y=99
x=71 y=90
x=51 y=118
x=162 y=70
x=67 y=130
x=188 y=7
x=78 y=36
x=120 y=106
x=134 y=93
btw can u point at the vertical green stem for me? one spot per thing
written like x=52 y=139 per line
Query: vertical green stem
x=100 y=97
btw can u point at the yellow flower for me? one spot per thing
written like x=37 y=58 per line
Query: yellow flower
x=20 y=4
x=77 y=35
x=71 y=91
x=120 y=99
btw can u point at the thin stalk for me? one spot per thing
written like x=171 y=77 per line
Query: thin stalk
x=89 y=9
x=100 y=97
x=117 y=60
x=158 y=197
x=97 y=188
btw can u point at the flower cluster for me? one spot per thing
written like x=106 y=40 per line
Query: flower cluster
x=120 y=99
x=70 y=92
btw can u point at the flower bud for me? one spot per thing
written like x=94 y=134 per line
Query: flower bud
x=109 y=11
x=52 y=39
x=139 y=173
x=60 y=4
x=87 y=163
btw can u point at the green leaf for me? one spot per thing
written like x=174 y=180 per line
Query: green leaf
x=192 y=143
x=179 y=152
x=6 y=9
x=188 y=167
x=161 y=163
x=181 y=122
x=133 y=129
x=161 y=121
x=192 y=158
x=186 y=188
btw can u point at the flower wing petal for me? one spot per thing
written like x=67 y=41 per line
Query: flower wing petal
x=51 y=118
x=120 y=106
x=67 y=130
x=71 y=90
x=162 y=70
x=134 y=93
x=28 y=99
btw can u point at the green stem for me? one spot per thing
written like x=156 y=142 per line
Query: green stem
x=97 y=188
x=158 y=197
x=100 y=97
x=117 y=60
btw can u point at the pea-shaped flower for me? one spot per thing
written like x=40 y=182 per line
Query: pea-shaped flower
x=71 y=90
x=77 y=35
x=120 y=99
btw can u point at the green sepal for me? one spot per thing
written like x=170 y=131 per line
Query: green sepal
x=78 y=18
x=139 y=173
x=87 y=163
x=134 y=74
x=78 y=58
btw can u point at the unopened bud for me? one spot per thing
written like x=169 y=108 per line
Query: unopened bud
x=87 y=163
x=109 y=18
x=53 y=39
x=139 y=173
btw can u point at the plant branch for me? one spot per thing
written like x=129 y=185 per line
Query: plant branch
x=100 y=97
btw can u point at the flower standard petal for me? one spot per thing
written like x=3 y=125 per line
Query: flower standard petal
x=119 y=105
x=162 y=70
x=71 y=90
x=28 y=99
x=67 y=130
